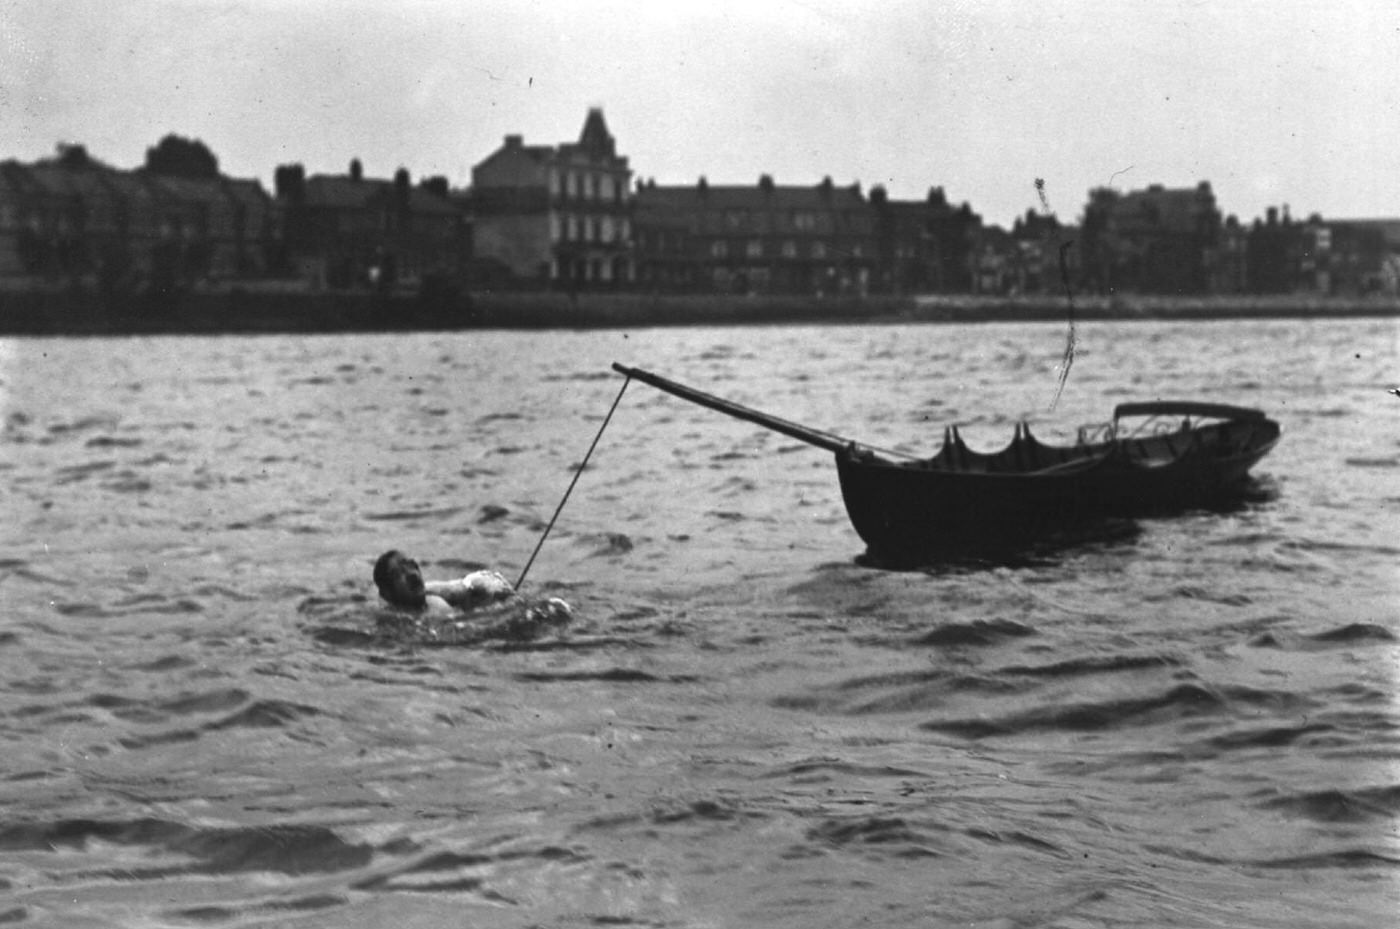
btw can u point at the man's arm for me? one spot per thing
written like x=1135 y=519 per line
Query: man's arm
x=476 y=589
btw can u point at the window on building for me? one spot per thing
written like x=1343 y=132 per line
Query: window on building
x=719 y=249
x=789 y=249
x=754 y=249
x=554 y=182
x=555 y=229
x=818 y=250
x=733 y=219
x=605 y=231
x=571 y=184
x=605 y=187
x=803 y=221
x=572 y=229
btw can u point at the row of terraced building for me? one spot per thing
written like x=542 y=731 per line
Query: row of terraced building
x=573 y=216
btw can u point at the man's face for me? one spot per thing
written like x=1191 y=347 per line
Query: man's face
x=406 y=582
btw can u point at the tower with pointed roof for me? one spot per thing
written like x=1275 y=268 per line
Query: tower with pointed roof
x=557 y=215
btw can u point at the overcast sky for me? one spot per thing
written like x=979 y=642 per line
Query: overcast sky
x=1272 y=102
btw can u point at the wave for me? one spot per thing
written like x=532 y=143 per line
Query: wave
x=905 y=692
x=820 y=770
x=83 y=424
x=977 y=632
x=278 y=848
x=219 y=914
x=1341 y=858
x=1192 y=592
x=1268 y=737
x=106 y=441
x=1391 y=462
x=265 y=714
x=73 y=473
x=151 y=606
x=899 y=837
x=213 y=701
x=1355 y=632
x=870 y=830
x=605 y=544
x=233 y=706
x=1361 y=805
x=616 y=675
x=702 y=811
x=1106 y=664
x=1180 y=702
x=412 y=515
x=461 y=872
x=1349 y=634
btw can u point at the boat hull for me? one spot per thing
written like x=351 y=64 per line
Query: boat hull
x=909 y=510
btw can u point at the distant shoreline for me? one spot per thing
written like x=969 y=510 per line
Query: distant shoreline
x=58 y=312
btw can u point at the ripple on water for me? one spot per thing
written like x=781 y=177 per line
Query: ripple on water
x=1380 y=804
x=194 y=850
x=977 y=632
x=1182 y=701
x=1343 y=636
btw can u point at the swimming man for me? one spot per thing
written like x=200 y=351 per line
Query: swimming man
x=478 y=595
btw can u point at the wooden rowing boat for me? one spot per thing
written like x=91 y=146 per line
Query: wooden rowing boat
x=1181 y=455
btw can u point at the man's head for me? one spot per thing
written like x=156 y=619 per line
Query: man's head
x=399 y=580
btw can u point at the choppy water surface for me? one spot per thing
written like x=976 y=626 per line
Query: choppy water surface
x=1192 y=724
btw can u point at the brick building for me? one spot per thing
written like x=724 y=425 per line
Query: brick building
x=1159 y=240
x=764 y=238
x=922 y=246
x=348 y=230
x=1364 y=256
x=558 y=215
x=75 y=218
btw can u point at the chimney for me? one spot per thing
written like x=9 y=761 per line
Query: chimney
x=515 y=141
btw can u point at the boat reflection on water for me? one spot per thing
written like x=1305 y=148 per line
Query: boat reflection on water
x=1101 y=535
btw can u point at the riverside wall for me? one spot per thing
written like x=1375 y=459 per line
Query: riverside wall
x=49 y=312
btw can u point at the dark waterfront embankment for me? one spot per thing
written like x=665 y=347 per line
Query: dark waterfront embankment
x=236 y=310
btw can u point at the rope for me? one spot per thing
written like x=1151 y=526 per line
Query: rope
x=583 y=464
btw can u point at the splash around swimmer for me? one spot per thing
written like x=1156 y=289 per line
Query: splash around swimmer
x=482 y=603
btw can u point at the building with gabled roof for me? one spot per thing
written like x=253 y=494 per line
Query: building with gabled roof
x=556 y=215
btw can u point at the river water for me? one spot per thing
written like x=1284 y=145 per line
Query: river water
x=1190 y=722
